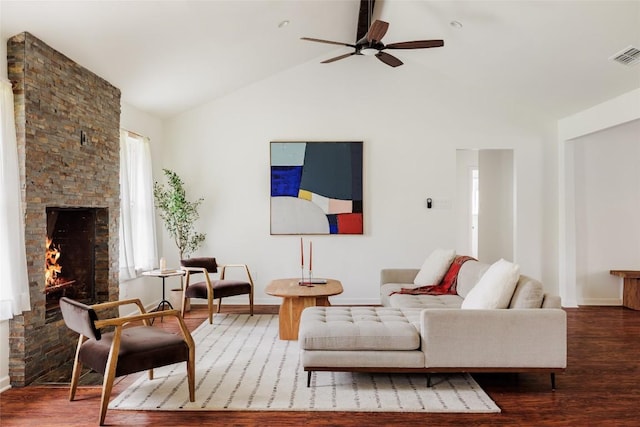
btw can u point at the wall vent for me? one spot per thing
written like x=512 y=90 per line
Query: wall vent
x=628 y=56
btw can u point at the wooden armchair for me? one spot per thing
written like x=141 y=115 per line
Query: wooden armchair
x=127 y=349
x=214 y=289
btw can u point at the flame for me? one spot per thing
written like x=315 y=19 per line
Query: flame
x=52 y=268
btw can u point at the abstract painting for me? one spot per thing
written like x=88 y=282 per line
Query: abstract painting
x=316 y=188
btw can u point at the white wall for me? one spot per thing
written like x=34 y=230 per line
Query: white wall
x=607 y=202
x=466 y=161
x=411 y=125
x=595 y=122
x=496 y=206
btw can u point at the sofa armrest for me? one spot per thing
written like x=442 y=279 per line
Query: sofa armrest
x=508 y=338
x=551 y=301
x=398 y=275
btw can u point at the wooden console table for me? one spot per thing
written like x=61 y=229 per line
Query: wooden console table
x=296 y=298
x=630 y=287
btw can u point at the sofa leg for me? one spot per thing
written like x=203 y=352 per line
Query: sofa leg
x=308 y=379
x=428 y=380
x=553 y=381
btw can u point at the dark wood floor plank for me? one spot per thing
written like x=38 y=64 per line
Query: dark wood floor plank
x=600 y=387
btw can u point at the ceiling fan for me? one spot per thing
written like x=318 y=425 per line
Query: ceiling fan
x=371 y=43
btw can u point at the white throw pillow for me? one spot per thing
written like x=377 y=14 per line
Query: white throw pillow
x=434 y=267
x=495 y=287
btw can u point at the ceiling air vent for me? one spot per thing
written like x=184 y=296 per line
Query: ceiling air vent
x=628 y=56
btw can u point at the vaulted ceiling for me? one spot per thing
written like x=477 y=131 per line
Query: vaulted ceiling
x=170 y=56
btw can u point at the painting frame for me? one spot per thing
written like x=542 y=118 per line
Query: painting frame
x=316 y=188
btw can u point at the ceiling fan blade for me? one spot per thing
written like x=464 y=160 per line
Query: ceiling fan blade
x=366 y=9
x=327 y=61
x=417 y=44
x=327 y=41
x=389 y=59
x=377 y=31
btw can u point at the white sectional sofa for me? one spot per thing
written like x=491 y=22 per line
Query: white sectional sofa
x=432 y=333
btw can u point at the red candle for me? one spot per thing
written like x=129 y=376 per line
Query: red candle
x=310 y=255
x=301 y=254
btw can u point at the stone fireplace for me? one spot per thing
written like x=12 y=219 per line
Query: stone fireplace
x=68 y=122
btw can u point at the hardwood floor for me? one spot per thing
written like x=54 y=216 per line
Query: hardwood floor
x=601 y=387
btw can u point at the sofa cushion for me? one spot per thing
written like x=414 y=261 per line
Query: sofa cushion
x=387 y=289
x=495 y=288
x=470 y=274
x=358 y=328
x=434 y=267
x=415 y=301
x=425 y=301
x=527 y=294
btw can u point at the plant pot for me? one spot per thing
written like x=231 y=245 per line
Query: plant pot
x=175 y=298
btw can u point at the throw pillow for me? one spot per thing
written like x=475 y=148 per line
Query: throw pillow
x=434 y=267
x=495 y=287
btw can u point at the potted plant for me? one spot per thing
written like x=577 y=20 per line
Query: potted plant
x=179 y=216
x=178 y=213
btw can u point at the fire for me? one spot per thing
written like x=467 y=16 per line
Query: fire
x=52 y=268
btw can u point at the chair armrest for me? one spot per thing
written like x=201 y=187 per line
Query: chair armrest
x=398 y=275
x=223 y=270
x=507 y=338
x=111 y=304
x=194 y=269
x=119 y=322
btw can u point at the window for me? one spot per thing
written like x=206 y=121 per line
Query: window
x=138 y=249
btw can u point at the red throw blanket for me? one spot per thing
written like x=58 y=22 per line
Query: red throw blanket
x=448 y=284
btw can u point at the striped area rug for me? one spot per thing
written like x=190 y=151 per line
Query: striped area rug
x=241 y=364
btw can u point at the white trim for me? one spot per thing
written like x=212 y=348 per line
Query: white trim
x=602 y=301
x=622 y=109
x=5 y=383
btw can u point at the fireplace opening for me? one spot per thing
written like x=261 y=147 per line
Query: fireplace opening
x=71 y=256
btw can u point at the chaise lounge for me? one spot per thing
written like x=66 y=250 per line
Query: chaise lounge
x=417 y=332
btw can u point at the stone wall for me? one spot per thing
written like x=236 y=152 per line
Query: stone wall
x=68 y=122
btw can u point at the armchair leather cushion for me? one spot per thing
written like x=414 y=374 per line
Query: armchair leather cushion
x=79 y=318
x=141 y=348
x=204 y=262
x=221 y=289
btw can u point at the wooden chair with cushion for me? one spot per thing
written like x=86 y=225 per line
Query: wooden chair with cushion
x=210 y=289
x=128 y=348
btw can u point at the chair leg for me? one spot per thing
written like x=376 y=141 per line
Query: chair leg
x=210 y=308
x=184 y=305
x=219 y=305
x=251 y=302
x=77 y=368
x=110 y=374
x=107 y=385
x=553 y=381
x=309 y=379
x=191 y=376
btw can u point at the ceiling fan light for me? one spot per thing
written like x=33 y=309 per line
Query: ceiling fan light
x=369 y=51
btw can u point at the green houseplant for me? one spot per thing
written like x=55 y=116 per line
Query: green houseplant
x=178 y=213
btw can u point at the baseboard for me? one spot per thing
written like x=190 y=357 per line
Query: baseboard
x=242 y=300
x=601 y=301
x=335 y=300
x=5 y=384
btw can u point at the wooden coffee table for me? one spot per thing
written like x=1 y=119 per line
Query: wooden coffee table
x=296 y=298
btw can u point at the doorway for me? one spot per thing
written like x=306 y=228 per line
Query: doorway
x=485 y=204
